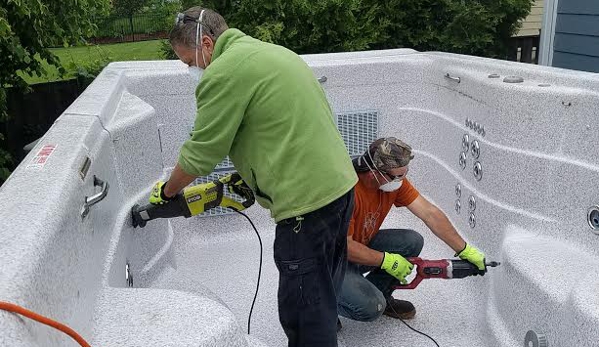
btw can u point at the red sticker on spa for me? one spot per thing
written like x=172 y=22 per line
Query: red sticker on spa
x=42 y=156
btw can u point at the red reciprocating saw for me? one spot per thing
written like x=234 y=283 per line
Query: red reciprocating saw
x=443 y=268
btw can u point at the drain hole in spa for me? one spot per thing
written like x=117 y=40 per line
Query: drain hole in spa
x=593 y=219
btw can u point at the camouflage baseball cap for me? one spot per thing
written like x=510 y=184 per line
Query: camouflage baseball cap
x=389 y=153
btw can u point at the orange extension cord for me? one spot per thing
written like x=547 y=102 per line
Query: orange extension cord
x=6 y=306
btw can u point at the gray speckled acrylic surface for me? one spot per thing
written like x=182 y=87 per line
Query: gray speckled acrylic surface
x=540 y=161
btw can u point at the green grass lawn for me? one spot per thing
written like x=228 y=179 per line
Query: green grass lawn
x=143 y=50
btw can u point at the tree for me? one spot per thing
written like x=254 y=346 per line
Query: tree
x=307 y=26
x=304 y=26
x=27 y=28
x=476 y=27
x=129 y=8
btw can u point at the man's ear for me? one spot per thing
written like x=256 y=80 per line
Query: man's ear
x=208 y=43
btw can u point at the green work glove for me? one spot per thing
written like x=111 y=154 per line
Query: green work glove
x=157 y=197
x=397 y=266
x=474 y=256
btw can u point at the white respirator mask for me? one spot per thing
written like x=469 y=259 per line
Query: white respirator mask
x=389 y=186
x=195 y=71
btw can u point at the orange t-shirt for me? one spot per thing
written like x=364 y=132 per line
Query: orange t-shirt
x=371 y=206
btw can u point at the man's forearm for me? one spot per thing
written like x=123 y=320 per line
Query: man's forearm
x=179 y=179
x=442 y=227
x=358 y=253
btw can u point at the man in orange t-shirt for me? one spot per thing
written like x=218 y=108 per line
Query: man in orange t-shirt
x=382 y=184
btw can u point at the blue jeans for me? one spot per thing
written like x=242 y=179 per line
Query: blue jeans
x=365 y=298
x=311 y=255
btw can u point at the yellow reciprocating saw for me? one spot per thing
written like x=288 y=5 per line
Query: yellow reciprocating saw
x=197 y=199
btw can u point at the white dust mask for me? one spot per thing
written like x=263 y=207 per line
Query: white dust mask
x=391 y=186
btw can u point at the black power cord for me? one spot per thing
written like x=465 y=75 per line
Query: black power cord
x=259 y=269
x=404 y=322
x=260 y=275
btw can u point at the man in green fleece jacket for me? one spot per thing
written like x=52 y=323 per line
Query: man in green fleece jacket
x=261 y=104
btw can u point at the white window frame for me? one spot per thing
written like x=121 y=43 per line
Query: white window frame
x=548 y=33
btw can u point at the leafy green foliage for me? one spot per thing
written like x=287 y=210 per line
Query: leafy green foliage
x=27 y=28
x=165 y=10
x=166 y=51
x=128 y=8
x=477 y=27
x=310 y=26
x=87 y=71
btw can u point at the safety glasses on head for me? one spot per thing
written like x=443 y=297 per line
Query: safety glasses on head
x=182 y=18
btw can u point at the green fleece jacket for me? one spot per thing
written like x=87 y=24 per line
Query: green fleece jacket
x=261 y=104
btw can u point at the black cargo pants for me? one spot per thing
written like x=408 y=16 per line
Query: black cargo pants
x=310 y=252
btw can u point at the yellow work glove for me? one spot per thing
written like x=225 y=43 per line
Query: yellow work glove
x=397 y=266
x=236 y=185
x=473 y=256
x=157 y=197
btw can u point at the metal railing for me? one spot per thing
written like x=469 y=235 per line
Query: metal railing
x=140 y=27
